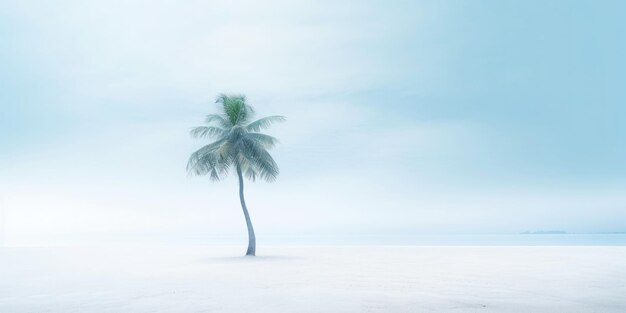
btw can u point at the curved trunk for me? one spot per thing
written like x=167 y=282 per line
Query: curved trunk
x=251 y=238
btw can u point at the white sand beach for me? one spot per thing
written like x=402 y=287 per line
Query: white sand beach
x=313 y=279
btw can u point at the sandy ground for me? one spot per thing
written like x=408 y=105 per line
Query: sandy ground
x=313 y=279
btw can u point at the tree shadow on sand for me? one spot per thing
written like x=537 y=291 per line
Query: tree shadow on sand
x=248 y=259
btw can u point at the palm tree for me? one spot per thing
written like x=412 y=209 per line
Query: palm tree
x=238 y=144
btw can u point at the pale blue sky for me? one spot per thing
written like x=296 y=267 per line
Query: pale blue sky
x=404 y=117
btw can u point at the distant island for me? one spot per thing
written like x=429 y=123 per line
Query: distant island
x=562 y=232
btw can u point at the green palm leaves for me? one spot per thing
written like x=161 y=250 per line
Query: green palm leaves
x=237 y=142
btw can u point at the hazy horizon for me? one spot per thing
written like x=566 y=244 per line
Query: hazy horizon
x=412 y=119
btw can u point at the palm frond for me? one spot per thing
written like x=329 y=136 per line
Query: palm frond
x=219 y=119
x=225 y=150
x=264 y=123
x=266 y=141
x=259 y=159
x=250 y=173
x=206 y=132
x=209 y=160
x=235 y=108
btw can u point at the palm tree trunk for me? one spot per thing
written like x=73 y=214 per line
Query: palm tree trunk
x=251 y=238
